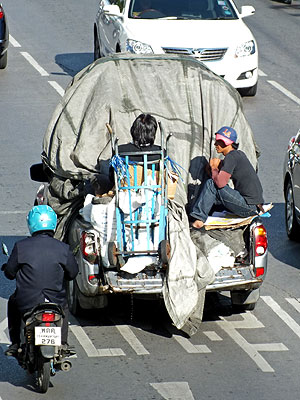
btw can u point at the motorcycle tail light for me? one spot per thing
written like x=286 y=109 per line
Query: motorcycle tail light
x=88 y=247
x=48 y=317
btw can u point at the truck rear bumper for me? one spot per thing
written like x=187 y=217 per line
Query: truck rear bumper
x=237 y=278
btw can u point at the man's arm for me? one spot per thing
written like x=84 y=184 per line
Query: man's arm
x=71 y=269
x=12 y=265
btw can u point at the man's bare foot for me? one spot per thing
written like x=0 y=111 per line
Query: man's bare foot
x=198 y=224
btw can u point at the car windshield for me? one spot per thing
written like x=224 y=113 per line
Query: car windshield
x=182 y=9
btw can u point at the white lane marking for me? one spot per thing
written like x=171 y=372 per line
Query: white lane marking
x=88 y=346
x=57 y=87
x=247 y=347
x=174 y=390
x=294 y=302
x=291 y=323
x=213 y=336
x=4 y=340
x=14 y=42
x=285 y=92
x=189 y=347
x=249 y=322
x=34 y=63
x=270 y=347
x=261 y=73
x=13 y=212
x=132 y=340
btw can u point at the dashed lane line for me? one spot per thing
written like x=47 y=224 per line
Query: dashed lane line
x=285 y=92
x=294 y=302
x=286 y=318
x=57 y=87
x=14 y=42
x=174 y=390
x=13 y=212
x=34 y=63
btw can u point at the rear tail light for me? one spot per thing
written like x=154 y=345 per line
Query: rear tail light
x=88 y=247
x=93 y=279
x=48 y=317
x=1 y=12
x=261 y=240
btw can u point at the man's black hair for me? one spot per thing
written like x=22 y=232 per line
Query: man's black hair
x=143 y=130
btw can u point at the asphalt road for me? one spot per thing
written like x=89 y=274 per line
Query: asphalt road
x=131 y=351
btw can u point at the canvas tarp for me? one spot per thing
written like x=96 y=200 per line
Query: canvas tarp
x=191 y=102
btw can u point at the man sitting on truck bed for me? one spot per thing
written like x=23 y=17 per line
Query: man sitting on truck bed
x=245 y=199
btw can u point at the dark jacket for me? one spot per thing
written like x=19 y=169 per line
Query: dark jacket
x=40 y=264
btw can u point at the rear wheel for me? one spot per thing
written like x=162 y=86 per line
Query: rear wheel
x=72 y=295
x=165 y=251
x=3 y=61
x=96 y=47
x=43 y=374
x=244 y=300
x=291 y=223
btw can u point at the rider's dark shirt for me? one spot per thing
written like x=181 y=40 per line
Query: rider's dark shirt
x=40 y=264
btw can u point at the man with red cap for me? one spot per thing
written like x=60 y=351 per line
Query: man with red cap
x=245 y=199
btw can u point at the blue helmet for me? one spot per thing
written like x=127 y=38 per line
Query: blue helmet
x=41 y=218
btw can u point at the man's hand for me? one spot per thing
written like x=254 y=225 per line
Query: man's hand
x=3 y=266
x=214 y=163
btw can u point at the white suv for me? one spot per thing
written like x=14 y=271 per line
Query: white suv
x=212 y=31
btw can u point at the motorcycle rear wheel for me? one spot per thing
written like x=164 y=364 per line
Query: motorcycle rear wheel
x=43 y=375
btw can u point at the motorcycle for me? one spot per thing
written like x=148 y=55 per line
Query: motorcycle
x=41 y=351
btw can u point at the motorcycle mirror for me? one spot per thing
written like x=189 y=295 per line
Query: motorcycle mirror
x=4 y=249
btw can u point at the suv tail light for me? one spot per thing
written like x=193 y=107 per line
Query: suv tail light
x=1 y=12
x=88 y=247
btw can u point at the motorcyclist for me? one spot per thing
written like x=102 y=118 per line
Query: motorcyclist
x=41 y=266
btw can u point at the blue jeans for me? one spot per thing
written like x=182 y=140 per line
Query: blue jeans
x=229 y=198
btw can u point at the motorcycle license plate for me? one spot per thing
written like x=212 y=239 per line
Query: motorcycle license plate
x=47 y=336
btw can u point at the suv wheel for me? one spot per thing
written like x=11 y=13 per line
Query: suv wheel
x=291 y=223
x=3 y=61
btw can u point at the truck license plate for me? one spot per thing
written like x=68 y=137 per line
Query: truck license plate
x=47 y=335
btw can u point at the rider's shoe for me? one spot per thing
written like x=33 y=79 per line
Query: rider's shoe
x=12 y=350
x=67 y=351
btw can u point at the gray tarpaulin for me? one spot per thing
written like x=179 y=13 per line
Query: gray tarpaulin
x=190 y=101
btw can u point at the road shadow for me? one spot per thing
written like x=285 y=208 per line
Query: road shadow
x=72 y=63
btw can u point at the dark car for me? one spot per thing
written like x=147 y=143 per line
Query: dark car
x=3 y=38
x=291 y=179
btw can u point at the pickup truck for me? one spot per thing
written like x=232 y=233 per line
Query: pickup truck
x=192 y=106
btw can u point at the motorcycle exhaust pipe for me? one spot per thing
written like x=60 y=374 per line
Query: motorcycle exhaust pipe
x=65 y=366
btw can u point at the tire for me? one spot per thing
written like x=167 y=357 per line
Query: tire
x=43 y=374
x=111 y=251
x=291 y=223
x=3 y=61
x=96 y=47
x=164 y=251
x=244 y=300
x=72 y=296
x=250 y=91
